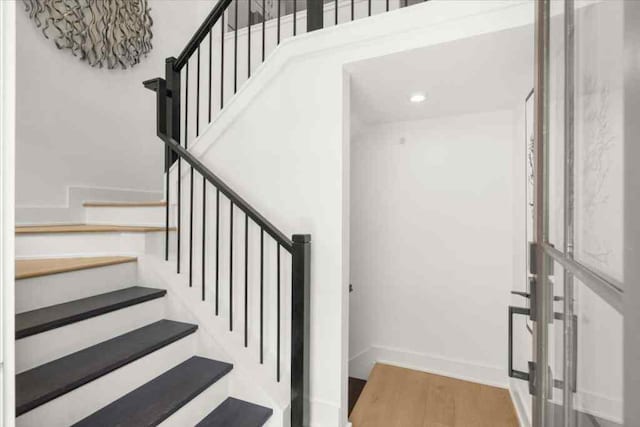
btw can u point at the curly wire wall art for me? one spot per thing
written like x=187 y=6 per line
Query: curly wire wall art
x=105 y=33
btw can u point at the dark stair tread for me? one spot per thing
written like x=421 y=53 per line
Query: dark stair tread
x=237 y=413
x=46 y=382
x=55 y=316
x=155 y=401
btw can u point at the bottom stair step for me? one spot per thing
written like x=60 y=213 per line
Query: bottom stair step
x=155 y=401
x=46 y=382
x=237 y=413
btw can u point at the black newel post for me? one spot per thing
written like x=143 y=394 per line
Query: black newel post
x=315 y=15
x=300 y=298
x=173 y=103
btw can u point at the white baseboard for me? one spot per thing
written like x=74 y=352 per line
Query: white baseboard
x=360 y=366
x=73 y=211
x=323 y=414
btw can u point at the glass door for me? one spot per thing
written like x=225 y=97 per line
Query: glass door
x=578 y=204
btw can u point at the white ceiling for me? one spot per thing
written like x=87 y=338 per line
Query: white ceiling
x=481 y=73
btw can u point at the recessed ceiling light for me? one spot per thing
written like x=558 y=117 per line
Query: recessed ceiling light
x=417 y=98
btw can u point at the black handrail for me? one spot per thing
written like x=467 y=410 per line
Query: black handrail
x=201 y=33
x=237 y=201
x=299 y=246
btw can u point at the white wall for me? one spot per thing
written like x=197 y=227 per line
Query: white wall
x=7 y=171
x=431 y=232
x=84 y=126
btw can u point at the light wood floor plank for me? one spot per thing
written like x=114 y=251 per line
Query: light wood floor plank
x=85 y=228
x=124 y=204
x=398 y=397
x=27 y=268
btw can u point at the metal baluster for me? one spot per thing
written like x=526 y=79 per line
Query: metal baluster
x=387 y=5
x=246 y=279
x=352 y=10
x=249 y=40
x=204 y=233
x=235 y=51
x=191 y=229
x=217 y=249
x=179 y=230
x=198 y=93
x=222 y=63
x=295 y=10
x=278 y=38
x=369 y=5
x=264 y=18
x=231 y=266
x=186 y=107
x=261 y=296
x=167 y=161
x=278 y=314
x=179 y=245
x=210 y=69
x=336 y=11
x=186 y=145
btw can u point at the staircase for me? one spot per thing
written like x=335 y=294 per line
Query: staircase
x=94 y=347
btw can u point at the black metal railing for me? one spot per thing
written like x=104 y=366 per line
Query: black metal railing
x=183 y=101
x=298 y=246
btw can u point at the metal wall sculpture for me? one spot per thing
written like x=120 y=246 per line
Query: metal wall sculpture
x=105 y=33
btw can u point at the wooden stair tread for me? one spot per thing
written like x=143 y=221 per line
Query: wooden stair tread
x=86 y=228
x=27 y=268
x=158 y=203
x=51 y=380
x=155 y=401
x=47 y=318
x=237 y=413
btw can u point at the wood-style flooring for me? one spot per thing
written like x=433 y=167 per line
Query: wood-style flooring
x=27 y=268
x=356 y=386
x=398 y=397
x=85 y=228
x=150 y=204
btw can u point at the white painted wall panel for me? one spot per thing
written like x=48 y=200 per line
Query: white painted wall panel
x=78 y=125
x=431 y=252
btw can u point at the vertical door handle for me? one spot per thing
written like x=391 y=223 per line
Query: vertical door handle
x=514 y=373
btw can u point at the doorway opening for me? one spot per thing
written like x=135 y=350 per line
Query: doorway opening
x=437 y=228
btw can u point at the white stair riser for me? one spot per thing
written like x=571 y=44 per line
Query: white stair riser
x=41 y=348
x=198 y=408
x=44 y=291
x=143 y=215
x=81 y=402
x=50 y=245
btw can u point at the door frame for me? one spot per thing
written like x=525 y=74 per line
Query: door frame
x=540 y=333
x=7 y=207
x=632 y=210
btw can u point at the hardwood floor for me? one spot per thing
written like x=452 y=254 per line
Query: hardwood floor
x=85 y=228
x=124 y=204
x=27 y=268
x=398 y=397
x=356 y=386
